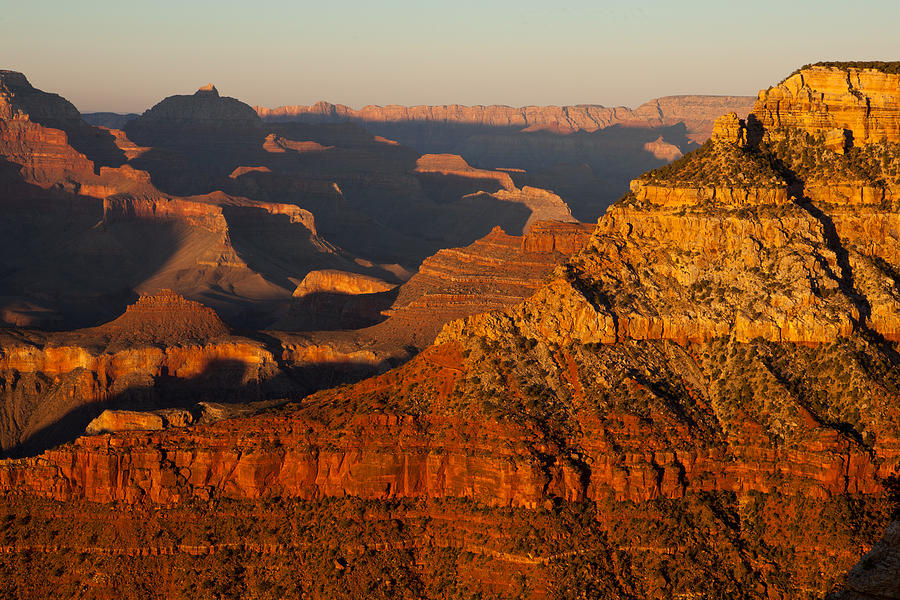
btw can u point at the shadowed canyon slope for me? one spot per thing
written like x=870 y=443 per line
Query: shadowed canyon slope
x=202 y=197
x=81 y=238
x=166 y=352
x=587 y=153
x=702 y=401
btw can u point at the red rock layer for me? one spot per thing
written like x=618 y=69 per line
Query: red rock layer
x=165 y=318
x=317 y=451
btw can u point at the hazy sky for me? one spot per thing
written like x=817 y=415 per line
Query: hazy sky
x=126 y=55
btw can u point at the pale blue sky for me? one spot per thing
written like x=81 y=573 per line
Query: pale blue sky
x=127 y=55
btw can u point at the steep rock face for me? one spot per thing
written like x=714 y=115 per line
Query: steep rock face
x=330 y=299
x=821 y=99
x=206 y=211
x=22 y=104
x=51 y=392
x=21 y=142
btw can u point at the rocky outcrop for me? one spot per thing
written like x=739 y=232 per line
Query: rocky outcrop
x=340 y=282
x=454 y=165
x=207 y=211
x=663 y=150
x=112 y=421
x=165 y=318
x=331 y=299
x=543 y=204
x=822 y=99
x=556 y=236
x=277 y=144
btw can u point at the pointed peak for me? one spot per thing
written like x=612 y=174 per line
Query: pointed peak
x=207 y=90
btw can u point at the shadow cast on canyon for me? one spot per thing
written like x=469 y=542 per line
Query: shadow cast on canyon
x=369 y=171
x=57 y=252
x=326 y=311
x=223 y=383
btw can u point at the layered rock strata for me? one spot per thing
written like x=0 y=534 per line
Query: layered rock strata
x=496 y=271
x=407 y=454
x=824 y=99
x=712 y=375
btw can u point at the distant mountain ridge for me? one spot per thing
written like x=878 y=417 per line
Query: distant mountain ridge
x=696 y=111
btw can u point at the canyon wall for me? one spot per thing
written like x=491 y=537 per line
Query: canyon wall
x=820 y=99
x=697 y=112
